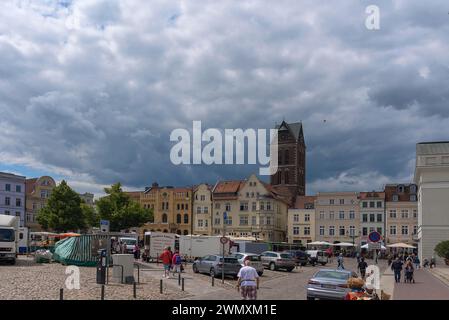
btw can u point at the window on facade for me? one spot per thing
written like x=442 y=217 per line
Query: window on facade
x=364 y=231
x=186 y=218
x=295 y=230
x=341 y=215
x=18 y=202
x=393 y=214
x=164 y=218
x=331 y=201
x=178 y=206
x=364 y=217
x=400 y=188
x=307 y=231
x=268 y=205
x=415 y=230
x=217 y=206
x=413 y=197
x=262 y=205
x=404 y=230
x=307 y=217
x=342 y=201
x=322 y=215
x=178 y=218
x=17 y=213
x=393 y=230
x=321 y=230
x=7 y=187
x=206 y=210
x=332 y=231
x=243 y=220
x=228 y=207
x=342 y=230
x=217 y=221
x=247 y=194
x=244 y=206
x=7 y=201
x=203 y=198
x=372 y=217
x=331 y=215
x=253 y=221
x=379 y=217
x=198 y=209
x=415 y=213
x=379 y=229
x=351 y=215
x=296 y=218
x=379 y=204
x=365 y=204
x=18 y=188
x=371 y=204
x=229 y=221
x=395 y=198
x=200 y=223
x=413 y=188
x=269 y=221
x=404 y=214
x=254 y=206
x=352 y=230
x=7 y=212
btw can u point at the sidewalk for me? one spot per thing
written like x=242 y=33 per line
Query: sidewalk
x=426 y=287
x=441 y=273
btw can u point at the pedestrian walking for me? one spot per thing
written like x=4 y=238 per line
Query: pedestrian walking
x=176 y=263
x=396 y=266
x=416 y=262
x=408 y=272
x=248 y=282
x=166 y=261
x=136 y=252
x=358 y=257
x=362 y=265
x=432 y=263
x=340 y=262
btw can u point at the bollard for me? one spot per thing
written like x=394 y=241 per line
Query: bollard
x=102 y=292
x=61 y=294
x=213 y=281
x=179 y=279
x=182 y=284
x=161 y=286
x=135 y=290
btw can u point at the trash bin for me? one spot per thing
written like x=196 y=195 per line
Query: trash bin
x=101 y=267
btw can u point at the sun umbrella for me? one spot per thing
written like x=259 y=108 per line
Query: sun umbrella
x=319 y=243
x=401 y=245
x=365 y=246
x=344 y=244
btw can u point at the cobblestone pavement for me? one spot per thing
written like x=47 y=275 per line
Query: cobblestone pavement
x=30 y=281
x=426 y=287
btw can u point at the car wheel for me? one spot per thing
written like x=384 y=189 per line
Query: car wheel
x=323 y=263
x=195 y=268
x=212 y=272
x=272 y=266
x=310 y=298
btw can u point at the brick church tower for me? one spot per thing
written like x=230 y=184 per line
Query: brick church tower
x=291 y=175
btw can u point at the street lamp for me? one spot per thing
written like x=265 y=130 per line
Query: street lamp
x=353 y=236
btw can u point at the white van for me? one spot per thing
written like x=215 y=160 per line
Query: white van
x=317 y=256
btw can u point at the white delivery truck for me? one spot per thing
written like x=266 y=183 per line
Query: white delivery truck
x=129 y=242
x=194 y=246
x=9 y=228
x=23 y=242
x=156 y=242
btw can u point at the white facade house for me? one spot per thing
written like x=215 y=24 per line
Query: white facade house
x=12 y=196
x=432 y=178
x=372 y=214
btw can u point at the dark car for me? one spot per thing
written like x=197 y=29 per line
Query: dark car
x=299 y=256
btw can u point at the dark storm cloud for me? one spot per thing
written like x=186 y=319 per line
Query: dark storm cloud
x=92 y=89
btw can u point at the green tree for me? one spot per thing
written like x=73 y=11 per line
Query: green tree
x=63 y=211
x=121 y=211
x=91 y=217
x=442 y=249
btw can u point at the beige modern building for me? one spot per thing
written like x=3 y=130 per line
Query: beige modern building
x=401 y=208
x=88 y=198
x=38 y=190
x=432 y=178
x=337 y=217
x=202 y=209
x=372 y=214
x=301 y=221
x=253 y=210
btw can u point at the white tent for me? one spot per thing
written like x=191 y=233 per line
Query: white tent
x=319 y=243
x=344 y=244
x=401 y=245
x=365 y=246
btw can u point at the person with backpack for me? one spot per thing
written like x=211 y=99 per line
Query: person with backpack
x=176 y=262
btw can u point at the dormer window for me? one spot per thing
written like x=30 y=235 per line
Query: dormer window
x=400 y=188
x=395 y=198
x=413 y=188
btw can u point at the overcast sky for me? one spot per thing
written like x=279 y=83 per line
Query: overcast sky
x=91 y=89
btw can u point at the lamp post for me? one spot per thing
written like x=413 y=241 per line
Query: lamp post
x=353 y=236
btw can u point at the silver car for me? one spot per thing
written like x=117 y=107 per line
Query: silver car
x=330 y=284
x=213 y=265
x=278 y=260
x=255 y=261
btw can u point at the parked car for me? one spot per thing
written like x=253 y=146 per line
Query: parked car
x=255 y=261
x=330 y=284
x=213 y=265
x=317 y=256
x=278 y=260
x=300 y=256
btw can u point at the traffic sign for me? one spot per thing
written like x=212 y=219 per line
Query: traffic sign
x=104 y=225
x=374 y=236
x=224 y=240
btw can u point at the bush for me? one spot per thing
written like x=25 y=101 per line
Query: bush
x=442 y=249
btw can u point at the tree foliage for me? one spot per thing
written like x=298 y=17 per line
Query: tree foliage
x=121 y=211
x=63 y=211
x=442 y=249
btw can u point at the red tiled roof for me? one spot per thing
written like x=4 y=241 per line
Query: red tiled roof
x=301 y=201
x=29 y=185
x=391 y=190
x=228 y=186
x=373 y=194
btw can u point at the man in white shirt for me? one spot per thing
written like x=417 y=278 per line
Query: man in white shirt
x=248 y=282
